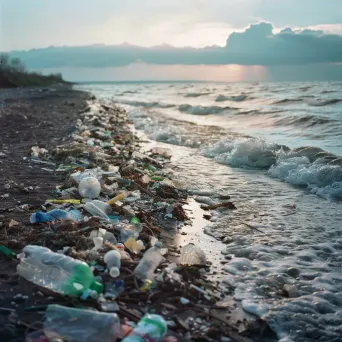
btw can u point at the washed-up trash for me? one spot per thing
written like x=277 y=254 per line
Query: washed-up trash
x=227 y=205
x=113 y=262
x=161 y=151
x=151 y=328
x=79 y=325
x=89 y=187
x=94 y=210
x=192 y=255
x=55 y=215
x=115 y=289
x=13 y=223
x=121 y=249
x=36 y=151
x=57 y=272
x=130 y=230
x=134 y=246
x=98 y=243
x=58 y=201
x=6 y=251
x=119 y=197
x=149 y=263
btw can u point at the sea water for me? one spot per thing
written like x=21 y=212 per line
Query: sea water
x=275 y=148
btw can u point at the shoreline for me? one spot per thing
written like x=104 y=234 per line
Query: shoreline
x=75 y=109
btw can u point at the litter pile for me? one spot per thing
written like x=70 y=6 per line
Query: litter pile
x=101 y=244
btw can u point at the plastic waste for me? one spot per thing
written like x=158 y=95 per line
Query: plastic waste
x=79 y=325
x=192 y=255
x=115 y=289
x=57 y=272
x=161 y=151
x=123 y=181
x=113 y=262
x=98 y=243
x=106 y=208
x=130 y=230
x=149 y=263
x=118 y=197
x=72 y=201
x=94 y=210
x=151 y=328
x=121 y=249
x=55 y=215
x=6 y=251
x=89 y=187
x=134 y=246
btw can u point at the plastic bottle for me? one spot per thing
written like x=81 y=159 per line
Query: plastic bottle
x=151 y=328
x=92 y=209
x=106 y=208
x=57 y=272
x=149 y=263
x=89 y=187
x=121 y=249
x=55 y=215
x=79 y=325
x=113 y=262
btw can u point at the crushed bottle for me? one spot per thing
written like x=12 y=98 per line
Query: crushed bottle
x=151 y=328
x=79 y=325
x=57 y=272
x=192 y=255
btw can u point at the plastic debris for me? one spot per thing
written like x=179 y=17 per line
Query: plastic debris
x=118 y=198
x=55 y=215
x=192 y=255
x=57 y=272
x=151 y=328
x=6 y=251
x=79 y=325
x=89 y=187
x=133 y=245
x=113 y=262
x=161 y=151
x=71 y=201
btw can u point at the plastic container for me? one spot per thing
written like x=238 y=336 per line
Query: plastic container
x=94 y=210
x=130 y=230
x=79 y=325
x=149 y=263
x=113 y=262
x=192 y=255
x=57 y=272
x=89 y=187
x=55 y=215
x=151 y=328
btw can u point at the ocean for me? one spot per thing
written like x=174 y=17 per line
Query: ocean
x=276 y=150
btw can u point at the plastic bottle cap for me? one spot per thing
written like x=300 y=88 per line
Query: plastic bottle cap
x=114 y=272
x=96 y=286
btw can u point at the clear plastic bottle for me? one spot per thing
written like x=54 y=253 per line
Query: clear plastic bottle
x=192 y=255
x=57 y=272
x=94 y=210
x=149 y=263
x=89 y=187
x=113 y=262
x=79 y=325
x=151 y=328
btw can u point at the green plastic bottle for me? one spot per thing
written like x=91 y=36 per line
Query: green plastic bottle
x=56 y=272
x=151 y=328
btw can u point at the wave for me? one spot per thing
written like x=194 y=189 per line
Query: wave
x=318 y=170
x=305 y=121
x=196 y=94
x=322 y=103
x=202 y=110
x=146 y=104
x=237 y=98
x=288 y=101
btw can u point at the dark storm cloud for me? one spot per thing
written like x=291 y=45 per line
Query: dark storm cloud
x=257 y=45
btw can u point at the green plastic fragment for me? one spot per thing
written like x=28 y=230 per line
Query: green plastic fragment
x=7 y=252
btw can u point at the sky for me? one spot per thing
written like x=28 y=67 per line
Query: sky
x=268 y=43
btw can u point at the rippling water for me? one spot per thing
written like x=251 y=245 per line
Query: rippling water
x=275 y=149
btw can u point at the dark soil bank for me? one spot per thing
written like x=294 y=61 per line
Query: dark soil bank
x=28 y=117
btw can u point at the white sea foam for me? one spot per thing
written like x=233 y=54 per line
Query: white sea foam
x=237 y=98
x=202 y=110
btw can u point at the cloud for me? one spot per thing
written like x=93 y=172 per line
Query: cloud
x=256 y=45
